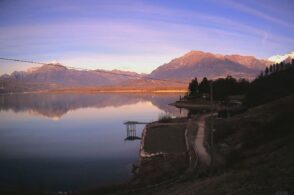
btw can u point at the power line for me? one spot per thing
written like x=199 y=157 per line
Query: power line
x=25 y=61
x=101 y=71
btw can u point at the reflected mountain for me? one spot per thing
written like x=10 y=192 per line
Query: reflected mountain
x=55 y=106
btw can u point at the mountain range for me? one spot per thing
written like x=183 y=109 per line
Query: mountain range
x=202 y=64
x=178 y=71
x=59 y=74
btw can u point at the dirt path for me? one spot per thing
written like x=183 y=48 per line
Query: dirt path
x=195 y=133
x=190 y=134
x=199 y=145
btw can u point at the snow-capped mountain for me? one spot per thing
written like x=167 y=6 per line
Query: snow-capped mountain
x=281 y=58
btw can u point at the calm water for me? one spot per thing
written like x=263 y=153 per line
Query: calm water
x=62 y=142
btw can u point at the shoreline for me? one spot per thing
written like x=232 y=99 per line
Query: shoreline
x=163 y=152
x=194 y=131
x=104 y=90
x=95 y=92
x=201 y=105
x=194 y=135
x=190 y=106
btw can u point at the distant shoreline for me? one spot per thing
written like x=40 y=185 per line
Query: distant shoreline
x=102 y=90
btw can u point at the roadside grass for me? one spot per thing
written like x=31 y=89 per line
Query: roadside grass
x=258 y=149
x=164 y=117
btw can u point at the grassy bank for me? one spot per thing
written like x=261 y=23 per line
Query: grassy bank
x=257 y=147
x=163 y=153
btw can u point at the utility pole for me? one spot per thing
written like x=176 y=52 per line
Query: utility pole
x=211 y=113
x=211 y=124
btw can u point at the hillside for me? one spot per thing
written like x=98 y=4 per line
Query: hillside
x=274 y=84
x=256 y=150
x=252 y=151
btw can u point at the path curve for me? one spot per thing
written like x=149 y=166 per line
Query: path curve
x=199 y=144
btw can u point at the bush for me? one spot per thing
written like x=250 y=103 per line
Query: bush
x=164 y=117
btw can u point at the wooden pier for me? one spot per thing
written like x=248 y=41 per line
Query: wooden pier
x=131 y=130
x=135 y=123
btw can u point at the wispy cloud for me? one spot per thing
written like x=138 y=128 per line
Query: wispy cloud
x=138 y=35
x=258 y=13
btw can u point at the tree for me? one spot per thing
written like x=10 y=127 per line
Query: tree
x=224 y=87
x=282 y=66
x=193 y=87
x=266 y=71
x=278 y=67
x=260 y=75
x=275 y=68
x=271 y=69
x=278 y=84
x=204 y=86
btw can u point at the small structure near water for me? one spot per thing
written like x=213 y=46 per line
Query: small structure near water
x=131 y=130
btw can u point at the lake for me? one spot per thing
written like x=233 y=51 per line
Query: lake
x=69 y=142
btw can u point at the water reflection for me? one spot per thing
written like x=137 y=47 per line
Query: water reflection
x=55 y=106
x=82 y=146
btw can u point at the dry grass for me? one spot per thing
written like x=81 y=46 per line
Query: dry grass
x=259 y=149
x=164 y=118
x=166 y=138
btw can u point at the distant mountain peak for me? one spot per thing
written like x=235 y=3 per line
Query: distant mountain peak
x=196 y=52
x=204 y=64
x=54 y=65
x=50 y=67
x=281 y=58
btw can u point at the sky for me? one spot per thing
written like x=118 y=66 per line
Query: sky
x=139 y=35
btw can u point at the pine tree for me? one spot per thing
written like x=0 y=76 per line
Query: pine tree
x=204 y=86
x=193 y=87
x=271 y=69
x=274 y=68
x=266 y=71
x=282 y=66
x=260 y=75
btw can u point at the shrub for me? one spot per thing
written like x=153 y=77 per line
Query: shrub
x=164 y=117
